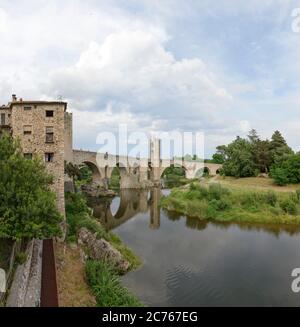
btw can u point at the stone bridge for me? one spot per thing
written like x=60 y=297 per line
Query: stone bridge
x=135 y=171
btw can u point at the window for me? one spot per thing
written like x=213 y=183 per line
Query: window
x=27 y=107
x=49 y=113
x=28 y=156
x=27 y=129
x=2 y=119
x=49 y=135
x=49 y=157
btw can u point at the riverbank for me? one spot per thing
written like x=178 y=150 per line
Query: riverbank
x=255 y=183
x=225 y=203
x=98 y=280
x=73 y=290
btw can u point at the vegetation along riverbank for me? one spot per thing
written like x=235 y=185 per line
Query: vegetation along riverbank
x=224 y=203
x=102 y=276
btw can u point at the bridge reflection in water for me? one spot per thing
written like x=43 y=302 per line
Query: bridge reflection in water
x=189 y=261
x=115 y=212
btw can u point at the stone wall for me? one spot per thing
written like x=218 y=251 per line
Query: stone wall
x=35 y=120
x=7 y=112
x=25 y=290
x=68 y=137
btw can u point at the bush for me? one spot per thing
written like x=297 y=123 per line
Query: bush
x=28 y=207
x=293 y=197
x=250 y=199
x=287 y=170
x=271 y=198
x=21 y=258
x=223 y=204
x=106 y=286
x=79 y=215
x=71 y=239
x=211 y=211
x=276 y=210
x=216 y=191
x=194 y=187
x=196 y=209
x=280 y=177
x=289 y=206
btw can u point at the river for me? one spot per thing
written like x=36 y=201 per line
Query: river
x=188 y=262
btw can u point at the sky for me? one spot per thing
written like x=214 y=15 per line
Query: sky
x=217 y=67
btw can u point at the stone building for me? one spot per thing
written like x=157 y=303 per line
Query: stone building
x=45 y=130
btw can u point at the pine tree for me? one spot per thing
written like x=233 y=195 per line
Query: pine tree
x=279 y=149
x=277 y=140
x=253 y=136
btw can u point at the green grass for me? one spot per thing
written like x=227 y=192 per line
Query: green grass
x=106 y=286
x=221 y=203
x=79 y=215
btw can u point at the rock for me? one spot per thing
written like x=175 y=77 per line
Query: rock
x=107 y=193
x=100 y=249
x=263 y=175
x=83 y=256
x=95 y=190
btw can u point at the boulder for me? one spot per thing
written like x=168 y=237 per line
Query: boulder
x=94 y=190
x=100 y=249
x=263 y=175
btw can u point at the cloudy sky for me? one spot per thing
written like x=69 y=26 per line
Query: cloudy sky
x=221 y=67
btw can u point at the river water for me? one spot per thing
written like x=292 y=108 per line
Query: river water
x=188 y=262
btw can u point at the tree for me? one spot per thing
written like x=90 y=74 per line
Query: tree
x=287 y=171
x=277 y=140
x=72 y=171
x=239 y=159
x=220 y=156
x=279 y=150
x=253 y=136
x=261 y=155
x=27 y=205
x=248 y=157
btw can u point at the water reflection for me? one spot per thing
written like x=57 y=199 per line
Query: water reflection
x=193 y=262
x=129 y=203
x=115 y=212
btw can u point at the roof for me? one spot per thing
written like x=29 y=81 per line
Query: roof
x=18 y=103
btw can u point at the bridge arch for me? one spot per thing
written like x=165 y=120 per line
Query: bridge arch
x=172 y=168
x=202 y=172
x=96 y=174
x=132 y=171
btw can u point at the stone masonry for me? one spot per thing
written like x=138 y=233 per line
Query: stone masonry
x=41 y=127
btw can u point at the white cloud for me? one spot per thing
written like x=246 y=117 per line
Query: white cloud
x=133 y=69
x=126 y=62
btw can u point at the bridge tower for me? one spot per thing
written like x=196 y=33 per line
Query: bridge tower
x=155 y=148
x=155 y=209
